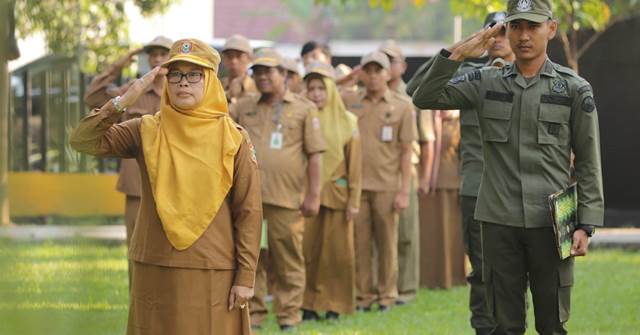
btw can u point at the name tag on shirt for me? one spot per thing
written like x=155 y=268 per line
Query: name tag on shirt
x=276 y=140
x=387 y=134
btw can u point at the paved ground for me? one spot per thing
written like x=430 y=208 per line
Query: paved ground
x=604 y=237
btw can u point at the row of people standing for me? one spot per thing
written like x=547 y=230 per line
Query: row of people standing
x=366 y=229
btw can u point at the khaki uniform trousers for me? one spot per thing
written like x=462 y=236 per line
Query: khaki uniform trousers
x=285 y=229
x=377 y=223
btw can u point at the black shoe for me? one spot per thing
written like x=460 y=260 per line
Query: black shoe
x=287 y=328
x=400 y=302
x=484 y=331
x=310 y=315
x=331 y=316
x=363 y=309
x=256 y=327
x=384 y=308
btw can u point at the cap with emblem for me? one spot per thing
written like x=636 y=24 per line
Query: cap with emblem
x=391 y=48
x=493 y=18
x=239 y=43
x=320 y=68
x=267 y=57
x=377 y=57
x=158 y=42
x=291 y=65
x=530 y=10
x=193 y=51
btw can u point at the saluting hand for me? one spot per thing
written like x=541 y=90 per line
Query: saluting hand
x=140 y=86
x=239 y=296
x=580 y=244
x=475 y=45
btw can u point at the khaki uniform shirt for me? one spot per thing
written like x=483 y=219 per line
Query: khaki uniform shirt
x=232 y=240
x=248 y=87
x=529 y=130
x=344 y=188
x=283 y=168
x=381 y=157
x=98 y=93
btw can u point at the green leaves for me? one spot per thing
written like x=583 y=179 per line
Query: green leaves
x=96 y=30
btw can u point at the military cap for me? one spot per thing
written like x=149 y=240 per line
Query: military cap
x=320 y=68
x=377 y=57
x=239 y=43
x=158 y=42
x=267 y=57
x=193 y=51
x=530 y=10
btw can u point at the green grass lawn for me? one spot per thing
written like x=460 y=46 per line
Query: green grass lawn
x=81 y=288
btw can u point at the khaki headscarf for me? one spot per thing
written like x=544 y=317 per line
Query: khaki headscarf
x=338 y=127
x=190 y=153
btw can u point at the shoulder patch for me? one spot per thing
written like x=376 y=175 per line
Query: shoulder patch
x=588 y=104
x=584 y=89
x=469 y=76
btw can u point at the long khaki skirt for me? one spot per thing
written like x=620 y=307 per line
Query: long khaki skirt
x=166 y=300
x=441 y=246
x=329 y=253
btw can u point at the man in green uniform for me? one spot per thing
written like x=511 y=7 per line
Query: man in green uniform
x=532 y=115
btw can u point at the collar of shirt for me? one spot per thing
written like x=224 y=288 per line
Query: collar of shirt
x=386 y=96
x=547 y=70
x=287 y=97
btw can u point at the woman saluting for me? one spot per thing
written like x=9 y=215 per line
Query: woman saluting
x=195 y=244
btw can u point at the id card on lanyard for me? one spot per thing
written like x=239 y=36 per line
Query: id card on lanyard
x=277 y=138
x=387 y=130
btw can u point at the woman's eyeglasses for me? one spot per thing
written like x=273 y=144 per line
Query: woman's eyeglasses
x=175 y=77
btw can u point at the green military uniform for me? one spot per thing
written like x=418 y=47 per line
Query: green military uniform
x=529 y=128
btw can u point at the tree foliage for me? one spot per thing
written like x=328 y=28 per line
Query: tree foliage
x=573 y=16
x=94 y=30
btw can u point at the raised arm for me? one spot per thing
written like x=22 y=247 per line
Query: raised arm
x=437 y=89
x=99 y=135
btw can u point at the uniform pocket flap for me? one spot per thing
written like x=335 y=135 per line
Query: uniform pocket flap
x=554 y=113
x=496 y=110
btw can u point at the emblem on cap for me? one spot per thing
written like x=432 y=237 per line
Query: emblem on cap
x=524 y=5
x=186 y=47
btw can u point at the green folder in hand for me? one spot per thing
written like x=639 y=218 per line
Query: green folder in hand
x=564 y=215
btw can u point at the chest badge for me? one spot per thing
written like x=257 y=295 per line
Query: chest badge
x=560 y=86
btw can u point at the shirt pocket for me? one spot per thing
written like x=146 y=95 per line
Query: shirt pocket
x=293 y=130
x=496 y=121
x=553 y=124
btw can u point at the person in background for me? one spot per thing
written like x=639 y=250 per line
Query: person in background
x=329 y=240
x=441 y=246
x=387 y=129
x=294 y=79
x=286 y=130
x=236 y=58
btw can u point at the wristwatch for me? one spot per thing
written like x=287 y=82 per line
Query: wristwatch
x=587 y=228
x=116 y=104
